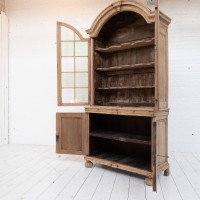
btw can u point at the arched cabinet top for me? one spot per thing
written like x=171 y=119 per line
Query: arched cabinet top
x=122 y=6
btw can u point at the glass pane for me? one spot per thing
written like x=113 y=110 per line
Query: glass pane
x=81 y=79
x=81 y=64
x=66 y=33
x=67 y=64
x=67 y=48
x=81 y=95
x=67 y=79
x=68 y=95
x=81 y=48
x=76 y=37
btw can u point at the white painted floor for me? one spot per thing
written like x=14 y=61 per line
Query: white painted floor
x=36 y=172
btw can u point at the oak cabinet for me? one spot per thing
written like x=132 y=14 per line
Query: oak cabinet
x=127 y=120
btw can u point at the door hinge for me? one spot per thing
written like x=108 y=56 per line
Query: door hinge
x=155 y=100
x=57 y=137
x=150 y=2
x=155 y=48
x=163 y=156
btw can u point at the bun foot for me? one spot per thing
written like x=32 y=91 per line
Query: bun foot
x=148 y=181
x=166 y=172
x=88 y=164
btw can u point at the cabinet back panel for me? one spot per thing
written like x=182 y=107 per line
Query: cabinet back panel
x=129 y=87
x=102 y=146
x=126 y=26
x=126 y=57
x=125 y=97
x=120 y=123
x=127 y=80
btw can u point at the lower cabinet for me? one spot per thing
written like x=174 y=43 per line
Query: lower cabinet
x=136 y=144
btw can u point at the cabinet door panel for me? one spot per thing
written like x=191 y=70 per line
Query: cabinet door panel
x=70 y=133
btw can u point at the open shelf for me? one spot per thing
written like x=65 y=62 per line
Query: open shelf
x=127 y=67
x=128 y=45
x=131 y=161
x=123 y=137
x=122 y=88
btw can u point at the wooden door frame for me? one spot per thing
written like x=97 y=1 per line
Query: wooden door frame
x=59 y=82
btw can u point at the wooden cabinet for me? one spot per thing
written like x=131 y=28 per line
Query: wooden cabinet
x=127 y=119
x=128 y=114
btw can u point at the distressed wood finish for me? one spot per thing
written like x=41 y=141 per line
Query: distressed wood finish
x=125 y=126
x=70 y=133
x=129 y=90
x=120 y=6
x=163 y=64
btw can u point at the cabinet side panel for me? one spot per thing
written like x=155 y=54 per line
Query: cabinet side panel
x=163 y=67
x=162 y=145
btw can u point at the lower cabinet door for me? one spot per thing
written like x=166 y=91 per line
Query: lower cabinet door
x=70 y=133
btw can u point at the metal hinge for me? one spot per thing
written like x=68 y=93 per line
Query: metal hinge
x=155 y=48
x=57 y=137
x=155 y=100
x=150 y=2
x=163 y=156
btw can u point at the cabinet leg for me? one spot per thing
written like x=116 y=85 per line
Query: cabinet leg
x=167 y=172
x=148 y=181
x=88 y=164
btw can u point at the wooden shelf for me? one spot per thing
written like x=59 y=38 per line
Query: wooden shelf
x=128 y=45
x=122 y=88
x=129 y=111
x=127 y=67
x=126 y=160
x=142 y=104
x=123 y=137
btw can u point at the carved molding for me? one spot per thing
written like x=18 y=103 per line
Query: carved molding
x=117 y=7
x=121 y=6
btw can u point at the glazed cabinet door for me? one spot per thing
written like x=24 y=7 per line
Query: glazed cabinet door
x=161 y=59
x=70 y=133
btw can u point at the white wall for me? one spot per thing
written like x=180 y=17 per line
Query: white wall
x=33 y=88
x=33 y=72
x=184 y=74
x=3 y=78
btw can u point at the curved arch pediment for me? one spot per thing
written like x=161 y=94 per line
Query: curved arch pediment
x=120 y=6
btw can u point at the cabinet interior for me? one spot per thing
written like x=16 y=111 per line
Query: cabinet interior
x=124 y=73
x=112 y=138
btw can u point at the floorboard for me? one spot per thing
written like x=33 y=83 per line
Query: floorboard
x=121 y=186
x=189 y=172
x=184 y=186
x=36 y=172
x=90 y=185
